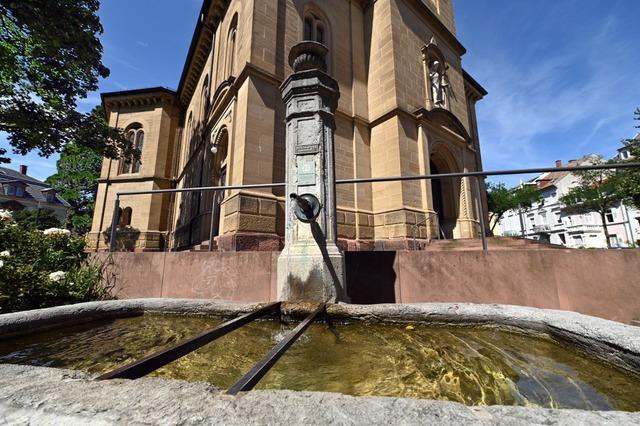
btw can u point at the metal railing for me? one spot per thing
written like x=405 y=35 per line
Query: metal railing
x=477 y=175
x=416 y=227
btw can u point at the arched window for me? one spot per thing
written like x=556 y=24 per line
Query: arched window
x=190 y=137
x=231 y=47
x=135 y=136
x=139 y=145
x=314 y=29
x=125 y=217
x=205 y=98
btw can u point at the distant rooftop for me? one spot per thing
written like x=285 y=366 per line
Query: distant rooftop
x=34 y=189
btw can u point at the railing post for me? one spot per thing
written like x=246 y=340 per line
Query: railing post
x=114 y=225
x=213 y=216
x=483 y=228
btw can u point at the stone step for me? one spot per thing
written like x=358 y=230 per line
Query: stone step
x=204 y=246
x=494 y=243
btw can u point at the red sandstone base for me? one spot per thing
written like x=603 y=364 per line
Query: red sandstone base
x=601 y=283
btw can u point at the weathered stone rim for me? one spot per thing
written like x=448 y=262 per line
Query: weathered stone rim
x=39 y=395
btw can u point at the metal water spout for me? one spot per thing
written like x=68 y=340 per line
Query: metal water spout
x=306 y=207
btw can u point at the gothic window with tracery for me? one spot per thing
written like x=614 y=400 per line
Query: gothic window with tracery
x=314 y=29
x=135 y=136
x=231 y=47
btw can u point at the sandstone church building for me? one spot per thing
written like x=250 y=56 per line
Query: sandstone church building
x=406 y=107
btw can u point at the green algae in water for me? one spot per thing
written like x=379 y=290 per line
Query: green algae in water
x=474 y=366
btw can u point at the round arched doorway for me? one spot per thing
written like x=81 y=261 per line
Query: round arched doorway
x=445 y=193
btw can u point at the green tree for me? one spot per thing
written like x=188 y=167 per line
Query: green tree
x=50 y=56
x=500 y=200
x=595 y=191
x=76 y=180
x=37 y=219
x=629 y=179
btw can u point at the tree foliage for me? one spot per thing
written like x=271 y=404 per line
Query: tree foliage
x=50 y=56
x=629 y=179
x=595 y=191
x=500 y=200
x=34 y=219
x=76 y=180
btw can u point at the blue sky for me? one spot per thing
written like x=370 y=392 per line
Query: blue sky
x=561 y=74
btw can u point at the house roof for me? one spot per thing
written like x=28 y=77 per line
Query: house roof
x=34 y=188
x=550 y=179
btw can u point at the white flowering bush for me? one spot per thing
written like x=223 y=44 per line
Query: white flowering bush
x=57 y=276
x=57 y=232
x=6 y=216
x=39 y=271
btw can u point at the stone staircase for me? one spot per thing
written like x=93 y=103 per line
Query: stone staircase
x=494 y=244
x=204 y=246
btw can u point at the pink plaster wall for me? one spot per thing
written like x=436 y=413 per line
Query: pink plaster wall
x=241 y=276
x=603 y=283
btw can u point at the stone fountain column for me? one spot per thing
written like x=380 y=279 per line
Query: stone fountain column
x=311 y=266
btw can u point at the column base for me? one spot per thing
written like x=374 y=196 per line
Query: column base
x=240 y=241
x=309 y=274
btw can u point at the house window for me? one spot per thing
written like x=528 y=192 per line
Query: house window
x=135 y=136
x=610 y=216
x=613 y=241
x=558 y=218
x=314 y=29
x=51 y=197
x=19 y=191
x=563 y=238
x=11 y=190
x=578 y=241
x=543 y=218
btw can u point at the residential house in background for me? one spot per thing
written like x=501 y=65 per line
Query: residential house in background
x=19 y=191
x=547 y=221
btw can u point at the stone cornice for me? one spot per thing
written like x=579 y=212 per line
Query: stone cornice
x=140 y=97
x=433 y=19
x=446 y=120
x=134 y=178
x=210 y=16
x=473 y=88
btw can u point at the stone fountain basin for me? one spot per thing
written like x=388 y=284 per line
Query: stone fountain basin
x=52 y=395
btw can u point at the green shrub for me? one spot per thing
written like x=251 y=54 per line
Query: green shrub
x=42 y=269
